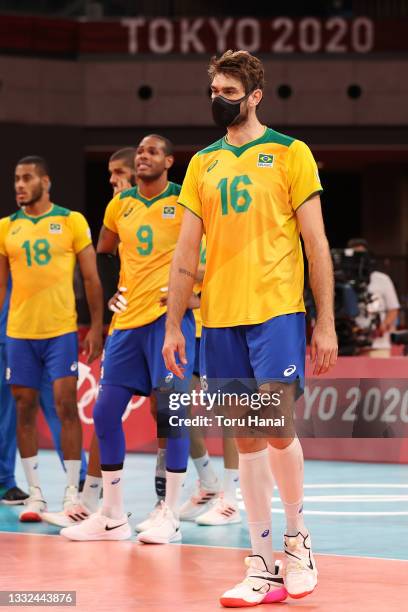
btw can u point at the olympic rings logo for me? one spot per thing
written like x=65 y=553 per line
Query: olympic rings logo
x=88 y=392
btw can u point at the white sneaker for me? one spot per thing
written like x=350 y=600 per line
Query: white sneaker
x=149 y=522
x=165 y=528
x=73 y=510
x=222 y=512
x=259 y=586
x=198 y=503
x=99 y=527
x=73 y=515
x=300 y=572
x=34 y=506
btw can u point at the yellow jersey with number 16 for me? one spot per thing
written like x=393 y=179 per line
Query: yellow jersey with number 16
x=247 y=198
x=42 y=254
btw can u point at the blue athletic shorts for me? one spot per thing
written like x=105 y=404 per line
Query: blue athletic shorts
x=270 y=351
x=196 y=369
x=133 y=357
x=28 y=359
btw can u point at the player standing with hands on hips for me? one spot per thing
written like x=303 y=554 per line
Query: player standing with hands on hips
x=261 y=188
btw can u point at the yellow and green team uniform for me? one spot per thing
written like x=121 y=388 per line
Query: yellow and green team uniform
x=247 y=198
x=42 y=253
x=148 y=230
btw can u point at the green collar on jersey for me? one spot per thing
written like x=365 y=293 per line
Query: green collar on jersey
x=170 y=190
x=56 y=211
x=269 y=136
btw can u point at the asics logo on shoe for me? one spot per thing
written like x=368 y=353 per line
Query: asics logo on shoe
x=265 y=533
x=107 y=528
x=289 y=370
x=115 y=481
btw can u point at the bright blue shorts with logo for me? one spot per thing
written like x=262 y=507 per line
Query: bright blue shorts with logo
x=254 y=354
x=133 y=357
x=28 y=359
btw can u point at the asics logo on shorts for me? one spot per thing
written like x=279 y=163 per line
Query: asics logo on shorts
x=8 y=373
x=169 y=377
x=204 y=382
x=289 y=370
x=74 y=366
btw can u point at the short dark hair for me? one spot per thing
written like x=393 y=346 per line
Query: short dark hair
x=240 y=65
x=167 y=144
x=127 y=155
x=39 y=162
x=357 y=242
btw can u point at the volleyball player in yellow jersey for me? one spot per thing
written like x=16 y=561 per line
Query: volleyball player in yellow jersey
x=147 y=221
x=122 y=175
x=255 y=191
x=39 y=245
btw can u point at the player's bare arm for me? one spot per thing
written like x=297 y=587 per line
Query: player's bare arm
x=93 y=290
x=108 y=241
x=106 y=250
x=324 y=339
x=389 y=322
x=182 y=277
x=4 y=274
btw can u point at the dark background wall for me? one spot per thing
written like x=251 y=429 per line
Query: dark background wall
x=62 y=147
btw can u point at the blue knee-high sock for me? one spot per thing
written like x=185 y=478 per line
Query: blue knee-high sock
x=178 y=438
x=109 y=408
x=177 y=453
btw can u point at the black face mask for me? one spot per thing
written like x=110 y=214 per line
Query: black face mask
x=224 y=111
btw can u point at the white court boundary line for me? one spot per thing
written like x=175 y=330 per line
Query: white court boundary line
x=132 y=542
x=376 y=498
x=355 y=485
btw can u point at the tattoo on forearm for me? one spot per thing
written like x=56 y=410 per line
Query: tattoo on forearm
x=187 y=272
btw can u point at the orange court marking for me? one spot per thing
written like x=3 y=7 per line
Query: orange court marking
x=125 y=576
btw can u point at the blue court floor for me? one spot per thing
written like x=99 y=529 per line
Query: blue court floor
x=354 y=509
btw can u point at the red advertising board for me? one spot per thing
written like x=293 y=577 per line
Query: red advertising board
x=163 y=36
x=329 y=401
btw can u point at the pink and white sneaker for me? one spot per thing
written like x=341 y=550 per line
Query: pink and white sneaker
x=198 y=503
x=300 y=572
x=258 y=587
